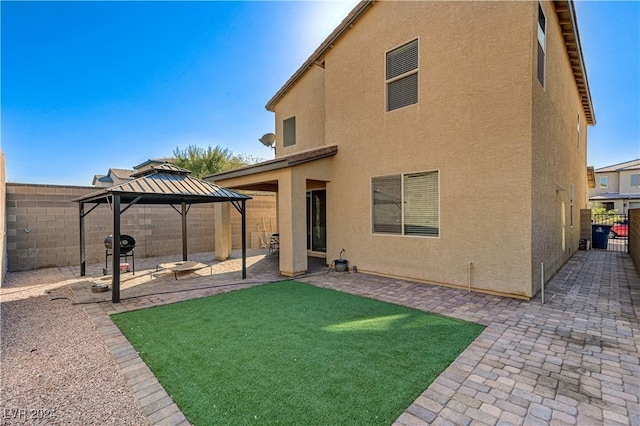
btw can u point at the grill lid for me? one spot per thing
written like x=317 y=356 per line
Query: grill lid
x=127 y=243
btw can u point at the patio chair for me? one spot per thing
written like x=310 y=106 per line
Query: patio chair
x=274 y=244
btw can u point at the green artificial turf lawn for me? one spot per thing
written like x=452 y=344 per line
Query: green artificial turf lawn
x=293 y=353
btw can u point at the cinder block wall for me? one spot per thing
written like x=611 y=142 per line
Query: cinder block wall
x=3 y=221
x=43 y=226
x=634 y=237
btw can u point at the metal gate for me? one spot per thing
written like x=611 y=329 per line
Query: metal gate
x=610 y=232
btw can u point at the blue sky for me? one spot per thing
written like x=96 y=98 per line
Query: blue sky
x=91 y=85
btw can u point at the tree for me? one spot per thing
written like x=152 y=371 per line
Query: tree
x=203 y=162
x=600 y=214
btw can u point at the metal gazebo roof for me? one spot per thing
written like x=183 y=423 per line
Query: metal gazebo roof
x=162 y=184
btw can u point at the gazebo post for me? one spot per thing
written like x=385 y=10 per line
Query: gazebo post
x=146 y=189
x=83 y=260
x=184 y=231
x=115 y=244
x=244 y=239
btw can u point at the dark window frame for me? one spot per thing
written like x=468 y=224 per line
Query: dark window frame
x=289 y=131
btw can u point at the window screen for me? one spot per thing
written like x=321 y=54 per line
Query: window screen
x=289 y=131
x=387 y=204
x=402 y=76
x=635 y=180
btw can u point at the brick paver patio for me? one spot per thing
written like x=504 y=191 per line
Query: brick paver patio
x=573 y=360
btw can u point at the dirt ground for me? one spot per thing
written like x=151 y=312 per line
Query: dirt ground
x=54 y=367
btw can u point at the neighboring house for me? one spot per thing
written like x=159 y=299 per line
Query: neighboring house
x=618 y=186
x=113 y=177
x=151 y=162
x=118 y=176
x=441 y=142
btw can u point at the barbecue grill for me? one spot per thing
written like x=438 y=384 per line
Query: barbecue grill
x=127 y=248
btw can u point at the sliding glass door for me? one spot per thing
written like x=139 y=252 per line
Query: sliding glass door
x=317 y=221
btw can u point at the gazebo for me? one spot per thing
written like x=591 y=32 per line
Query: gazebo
x=163 y=184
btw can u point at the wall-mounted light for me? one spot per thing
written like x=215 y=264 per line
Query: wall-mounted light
x=27 y=230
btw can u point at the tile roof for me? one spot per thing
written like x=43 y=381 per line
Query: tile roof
x=627 y=165
x=615 y=196
x=120 y=173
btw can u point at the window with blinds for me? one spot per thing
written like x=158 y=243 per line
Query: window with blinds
x=406 y=204
x=402 y=76
x=289 y=132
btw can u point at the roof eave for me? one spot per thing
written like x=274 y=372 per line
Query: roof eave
x=279 y=163
x=577 y=63
x=579 y=71
x=591 y=177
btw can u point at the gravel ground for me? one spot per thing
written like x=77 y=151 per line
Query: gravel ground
x=54 y=365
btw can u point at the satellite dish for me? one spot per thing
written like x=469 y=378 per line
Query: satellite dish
x=268 y=140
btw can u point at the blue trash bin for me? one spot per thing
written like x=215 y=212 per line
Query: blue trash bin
x=600 y=236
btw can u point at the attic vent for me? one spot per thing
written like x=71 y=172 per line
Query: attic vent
x=402 y=76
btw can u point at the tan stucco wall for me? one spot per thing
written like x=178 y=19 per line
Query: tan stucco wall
x=557 y=160
x=305 y=101
x=472 y=124
x=504 y=166
x=53 y=226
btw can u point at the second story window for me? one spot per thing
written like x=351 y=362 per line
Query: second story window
x=604 y=181
x=402 y=76
x=289 y=131
x=635 y=180
x=541 y=44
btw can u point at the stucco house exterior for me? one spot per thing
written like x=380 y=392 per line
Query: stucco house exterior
x=441 y=142
x=618 y=186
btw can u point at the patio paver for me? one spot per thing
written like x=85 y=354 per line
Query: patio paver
x=573 y=360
